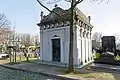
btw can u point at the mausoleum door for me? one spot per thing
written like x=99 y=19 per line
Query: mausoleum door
x=56 y=50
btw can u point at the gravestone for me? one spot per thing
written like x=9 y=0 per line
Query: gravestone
x=109 y=50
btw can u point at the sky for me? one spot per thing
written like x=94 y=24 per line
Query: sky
x=105 y=17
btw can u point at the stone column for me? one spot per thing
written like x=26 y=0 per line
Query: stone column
x=81 y=56
x=91 y=56
x=87 y=47
x=83 y=47
x=89 y=51
x=91 y=46
x=41 y=44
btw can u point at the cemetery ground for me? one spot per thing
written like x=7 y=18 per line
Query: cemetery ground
x=31 y=65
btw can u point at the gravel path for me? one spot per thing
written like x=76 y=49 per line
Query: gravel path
x=10 y=74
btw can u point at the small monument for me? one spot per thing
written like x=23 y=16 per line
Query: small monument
x=109 y=50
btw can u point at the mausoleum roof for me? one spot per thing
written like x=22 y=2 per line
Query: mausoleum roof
x=53 y=17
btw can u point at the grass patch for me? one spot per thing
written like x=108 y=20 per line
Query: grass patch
x=88 y=74
x=24 y=59
x=97 y=56
x=95 y=75
x=117 y=58
x=92 y=75
x=19 y=61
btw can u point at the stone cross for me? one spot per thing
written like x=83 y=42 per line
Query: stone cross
x=56 y=5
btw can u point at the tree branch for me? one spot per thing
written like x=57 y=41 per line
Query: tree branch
x=1 y=16
x=50 y=10
x=3 y=23
x=79 y=1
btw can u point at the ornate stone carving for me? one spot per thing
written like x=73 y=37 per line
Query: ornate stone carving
x=68 y=22
x=48 y=27
x=85 y=26
x=80 y=23
x=60 y=23
x=77 y=22
x=40 y=27
x=90 y=35
x=56 y=24
x=81 y=32
x=87 y=35
x=52 y=26
x=84 y=34
x=65 y=23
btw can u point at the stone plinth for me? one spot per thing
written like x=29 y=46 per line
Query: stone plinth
x=108 y=58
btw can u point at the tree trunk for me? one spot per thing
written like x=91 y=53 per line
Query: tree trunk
x=71 y=59
x=10 y=54
x=15 y=56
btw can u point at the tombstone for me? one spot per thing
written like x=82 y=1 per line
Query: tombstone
x=109 y=51
x=108 y=43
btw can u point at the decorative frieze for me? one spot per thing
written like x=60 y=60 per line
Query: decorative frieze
x=59 y=24
x=90 y=35
x=87 y=27
x=47 y=26
x=65 y=23
x=84 y=34
x=56 y=25
x=80 y=23
x=81 y=33
x=84 y=26
x=87 y=34
x=68 y=22
x=50 y=26
x=77 y=22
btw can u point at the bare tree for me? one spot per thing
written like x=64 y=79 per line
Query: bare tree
x=117 y=38
x=117 y=41
x=26 y=39
x=5 y=30
x=73 y=4
x=4 y=23
x=37 y=40
x=97 y=36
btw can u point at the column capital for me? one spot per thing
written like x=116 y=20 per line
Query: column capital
x=82 y=29
x=87 y=35
x=84 y=34
x=80 y=23
x=90 y=35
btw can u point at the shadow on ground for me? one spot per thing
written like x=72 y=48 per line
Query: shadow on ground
x=89 y=74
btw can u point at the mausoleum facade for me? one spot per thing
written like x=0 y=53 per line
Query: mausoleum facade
x=55 y=34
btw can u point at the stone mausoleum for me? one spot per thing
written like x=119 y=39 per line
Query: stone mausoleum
x=55 y=34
